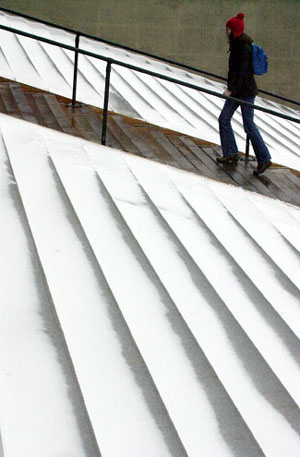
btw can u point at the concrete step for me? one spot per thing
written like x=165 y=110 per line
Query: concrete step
x=145 y=287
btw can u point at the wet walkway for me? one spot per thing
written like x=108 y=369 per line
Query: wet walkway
x=146 y=140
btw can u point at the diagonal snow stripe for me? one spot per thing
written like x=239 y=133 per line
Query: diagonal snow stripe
x=276 y=386
x=133 y=283
x=254 y=396
x=162 y=252
x=63 y=84
x=287 y=226
x=75 y=176
x=279 y=291
x=282 y=349
x=6 y=71
x=163 y=99
x=63 y=65
x=44 y=66
x=294 y=211
x=184 y=101
x=125 y=83
x=119 y=409
x=57 y=57
x=38 y=412
x=55 y=65
x=95 y=77
x=261 y=231
x=18 y=59
x=63 y=59
x=95 y=70
x=211 y=107
x=148 y=96
x=71 y=185
x=86 y=92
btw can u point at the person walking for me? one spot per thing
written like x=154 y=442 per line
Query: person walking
x=241 y=84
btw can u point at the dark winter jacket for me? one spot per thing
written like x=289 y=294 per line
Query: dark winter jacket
x=240 y=79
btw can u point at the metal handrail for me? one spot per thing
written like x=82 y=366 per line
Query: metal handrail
x=111 y=62
x=136 y=51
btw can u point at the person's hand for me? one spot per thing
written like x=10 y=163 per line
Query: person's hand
x=227 y=93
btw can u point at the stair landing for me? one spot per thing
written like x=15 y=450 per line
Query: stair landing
x=146 y=140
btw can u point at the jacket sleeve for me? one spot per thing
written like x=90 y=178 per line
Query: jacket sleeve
x=238 y=67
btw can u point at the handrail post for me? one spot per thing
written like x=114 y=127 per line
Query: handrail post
x=75 y=70
x=247 y=146
x=127 y=48
x=247 y=158
x=141 y=70
x=105 y=106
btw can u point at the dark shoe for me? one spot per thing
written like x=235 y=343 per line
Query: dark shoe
x=228 y=159
x=262 y=167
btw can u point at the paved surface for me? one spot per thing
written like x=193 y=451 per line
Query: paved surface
x=146 y=140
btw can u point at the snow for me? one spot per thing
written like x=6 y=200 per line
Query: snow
x=135 y=94
x=37 y=416
x=174 y=298
x=145 y=311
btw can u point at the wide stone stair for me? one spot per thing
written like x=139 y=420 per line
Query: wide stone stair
x=163 y=345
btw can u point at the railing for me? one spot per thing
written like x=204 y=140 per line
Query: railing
x=111 y=62
x=136 y=51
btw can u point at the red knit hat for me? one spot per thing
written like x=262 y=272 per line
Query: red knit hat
x=236 y=25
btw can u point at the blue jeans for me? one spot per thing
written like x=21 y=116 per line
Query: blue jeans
x=228 y=142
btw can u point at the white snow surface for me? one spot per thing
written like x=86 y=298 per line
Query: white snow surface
x=145 y=311
x=135 y=94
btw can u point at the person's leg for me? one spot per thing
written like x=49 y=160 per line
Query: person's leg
x=260 y=149
x=228 y=142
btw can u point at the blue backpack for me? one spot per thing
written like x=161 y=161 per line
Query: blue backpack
x=260 y=60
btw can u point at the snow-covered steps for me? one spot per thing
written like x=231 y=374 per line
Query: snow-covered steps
x=42 y=408
x=135 y=94
x=153 y=311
